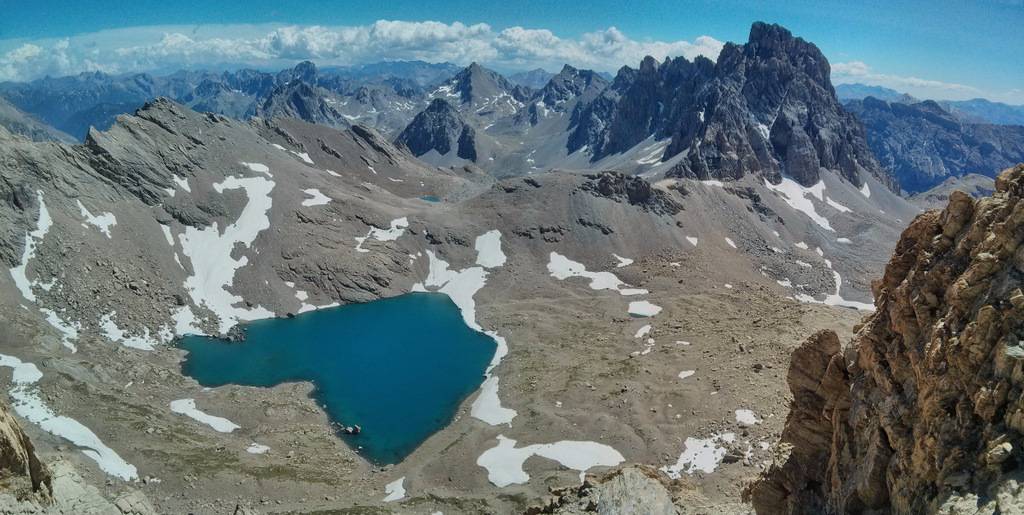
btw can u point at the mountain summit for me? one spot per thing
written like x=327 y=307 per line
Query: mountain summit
x=765 y=107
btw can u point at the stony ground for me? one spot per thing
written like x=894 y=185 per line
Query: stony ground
x=573 y=373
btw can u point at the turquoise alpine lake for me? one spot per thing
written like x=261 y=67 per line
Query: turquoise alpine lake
x=431 y=198
x=398 y=367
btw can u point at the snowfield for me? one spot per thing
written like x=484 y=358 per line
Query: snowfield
x=188 y=408
x=504 y=462
x=210 y=253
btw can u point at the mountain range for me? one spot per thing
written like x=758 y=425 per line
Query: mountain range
x=644 y=250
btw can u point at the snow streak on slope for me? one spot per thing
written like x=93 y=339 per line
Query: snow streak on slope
x=28 y=403
x=562 y=268
x=20 y=272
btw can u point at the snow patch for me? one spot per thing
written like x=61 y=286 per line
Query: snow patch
x=28 y=404
x=488 y=249
x=395 y=490
x=865 y=190
x=504 y=462
x=103 y=222
x=117 y=335
x=562 y=268
x=396 y=229
x=68 y=331
x=167 y=234
x=746 y=418
x=799 y=197
x=460 y=286
x=643 y=308
x=316 y=198
x=20 y=272
x=188 y=408
x=730 y=242
x=622 y=261
x=699 y=455
x=686 y=373
x=181 y=182
x=643 y=331
x=256 y=448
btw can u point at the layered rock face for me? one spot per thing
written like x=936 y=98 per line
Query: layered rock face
x=923 y=412
x=764 y=107
x=439 y=127
x=922 y=144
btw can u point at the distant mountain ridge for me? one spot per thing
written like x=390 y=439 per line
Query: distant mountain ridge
x=922 y=144
x=73 y=104
x=977 y=110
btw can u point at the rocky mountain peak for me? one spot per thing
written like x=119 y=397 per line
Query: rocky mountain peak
x=440 y=128
x=305 y=71
x=921 y=413
x=476 y=86
x=300 y=99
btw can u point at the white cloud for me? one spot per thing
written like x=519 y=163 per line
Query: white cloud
x=164 y=48
x=861 y=72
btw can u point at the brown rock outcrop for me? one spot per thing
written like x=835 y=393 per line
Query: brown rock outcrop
x=21 y=473
x=923 y=412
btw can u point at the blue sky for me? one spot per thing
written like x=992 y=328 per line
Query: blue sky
x=937 y=48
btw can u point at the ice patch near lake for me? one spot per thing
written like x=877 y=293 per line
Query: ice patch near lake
x=562 y=268
x=103 y=222
x=396 y=229
x=117 y=335
x=622 y=261
x=316 y=198
x=210 y=253
x=799 y=197
x=395 y=490
x=28 y=404
x=188 y=408
x=699 y=455
x=643 y=308
x=461 y=286
x=504 y=462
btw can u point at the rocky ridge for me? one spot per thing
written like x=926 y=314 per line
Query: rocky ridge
x=922 y=412
x=765 y=107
